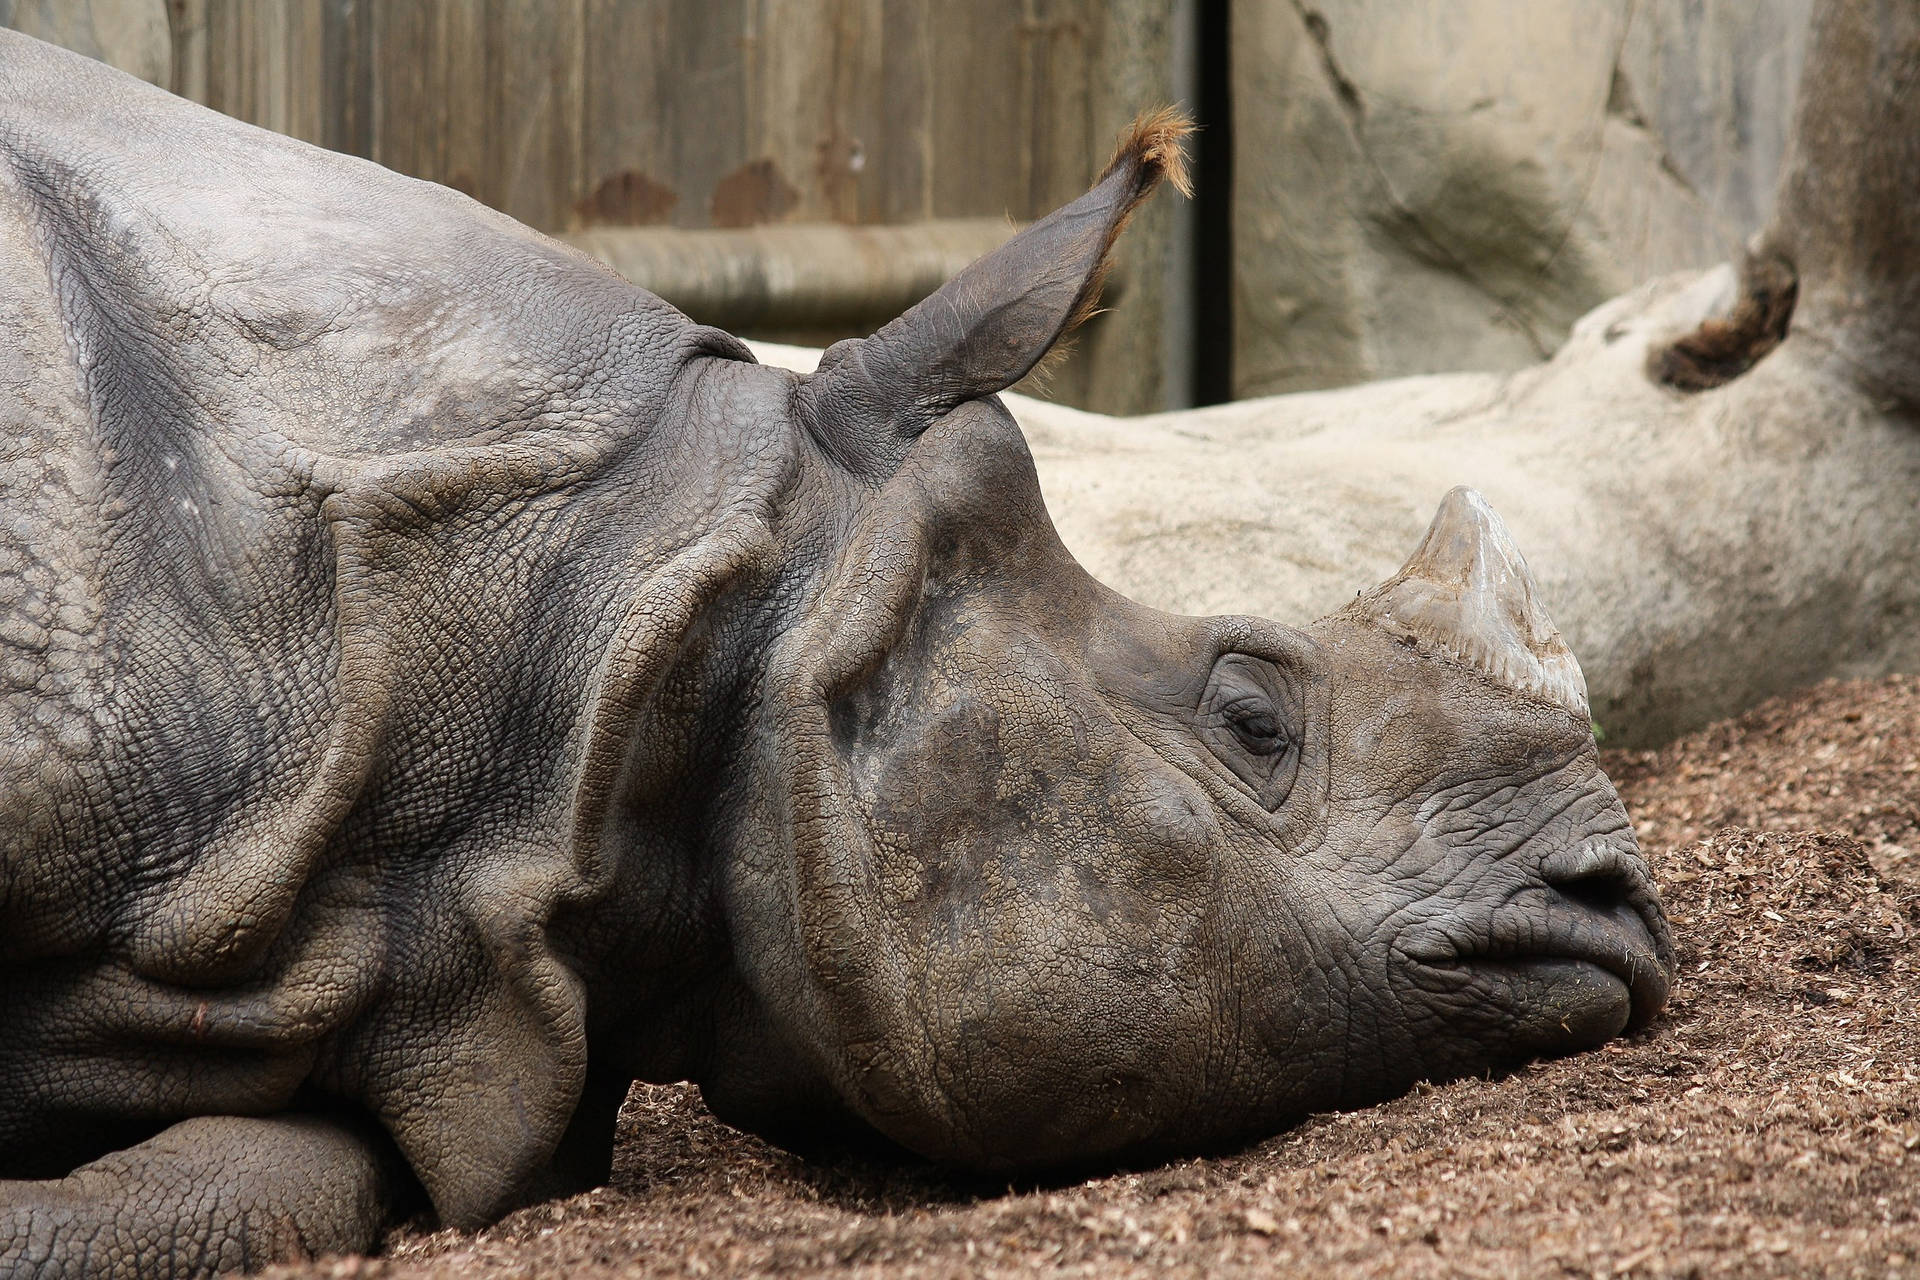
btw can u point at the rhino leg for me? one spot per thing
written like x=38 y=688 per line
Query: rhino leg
x=211 y=1194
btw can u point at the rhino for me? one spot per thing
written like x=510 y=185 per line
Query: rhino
x=445 y=684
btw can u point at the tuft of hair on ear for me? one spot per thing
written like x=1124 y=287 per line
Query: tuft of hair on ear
x=1152 y=143
x=1150 y=151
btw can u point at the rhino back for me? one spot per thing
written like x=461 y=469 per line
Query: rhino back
x=328 y=495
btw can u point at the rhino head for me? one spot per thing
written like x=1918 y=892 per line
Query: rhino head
x=1025 y=874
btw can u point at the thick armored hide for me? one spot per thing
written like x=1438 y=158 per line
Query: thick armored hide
x=325 y=497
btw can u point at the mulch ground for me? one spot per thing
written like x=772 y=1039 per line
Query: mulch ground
x=1768 y=1124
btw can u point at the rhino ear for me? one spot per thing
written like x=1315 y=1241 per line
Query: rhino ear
x=986 y=328
x=1466 y=593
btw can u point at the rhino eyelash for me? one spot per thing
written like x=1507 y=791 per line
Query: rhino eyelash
x=1254 y=718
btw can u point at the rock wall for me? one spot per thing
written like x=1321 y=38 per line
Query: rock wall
x=1423 y=187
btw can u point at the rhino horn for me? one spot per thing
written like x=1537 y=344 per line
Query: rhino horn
x=1466 y=594
x=986 y=328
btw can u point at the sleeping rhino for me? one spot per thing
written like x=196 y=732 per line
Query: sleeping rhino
x=444 y=684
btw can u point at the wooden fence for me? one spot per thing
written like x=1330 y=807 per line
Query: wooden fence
x=570 y=114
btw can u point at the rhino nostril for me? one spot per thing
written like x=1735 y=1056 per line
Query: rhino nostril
x=1602 y=891
x=1596 y=876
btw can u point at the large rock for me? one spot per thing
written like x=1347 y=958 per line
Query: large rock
x=1421 y=188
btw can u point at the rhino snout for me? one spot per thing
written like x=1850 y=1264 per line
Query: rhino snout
x=1579 y=954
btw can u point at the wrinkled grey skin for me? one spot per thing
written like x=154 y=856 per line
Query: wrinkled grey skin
x=443 y=684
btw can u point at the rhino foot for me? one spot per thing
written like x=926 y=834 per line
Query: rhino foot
x=209 y=1195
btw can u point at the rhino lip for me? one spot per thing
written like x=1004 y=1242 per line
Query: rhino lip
x=1637 y=967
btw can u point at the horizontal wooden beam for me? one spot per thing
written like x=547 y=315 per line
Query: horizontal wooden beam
x=820 y=276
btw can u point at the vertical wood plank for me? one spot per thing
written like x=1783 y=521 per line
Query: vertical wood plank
x=459 y=73
x=426 y=80
x=664 y=110
x=216 y=36
x=1060 y=133
x=306 y=89
x=900 y=158
x=407 y=89
x=532 y=97
x=266 y=68
x=346 y=117
x=845 y=155
x=187 y=21
x=1127 y=361
x=626 y=171
x=981 y=80
x=702 y=104
x=819 y=67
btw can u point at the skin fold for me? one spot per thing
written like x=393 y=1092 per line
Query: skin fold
x=444 y=684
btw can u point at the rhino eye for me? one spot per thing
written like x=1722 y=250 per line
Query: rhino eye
x=1251 y=718
x=1256 y=724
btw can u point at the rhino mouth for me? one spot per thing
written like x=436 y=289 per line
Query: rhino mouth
x=1632 y=972
x=1584 y=948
